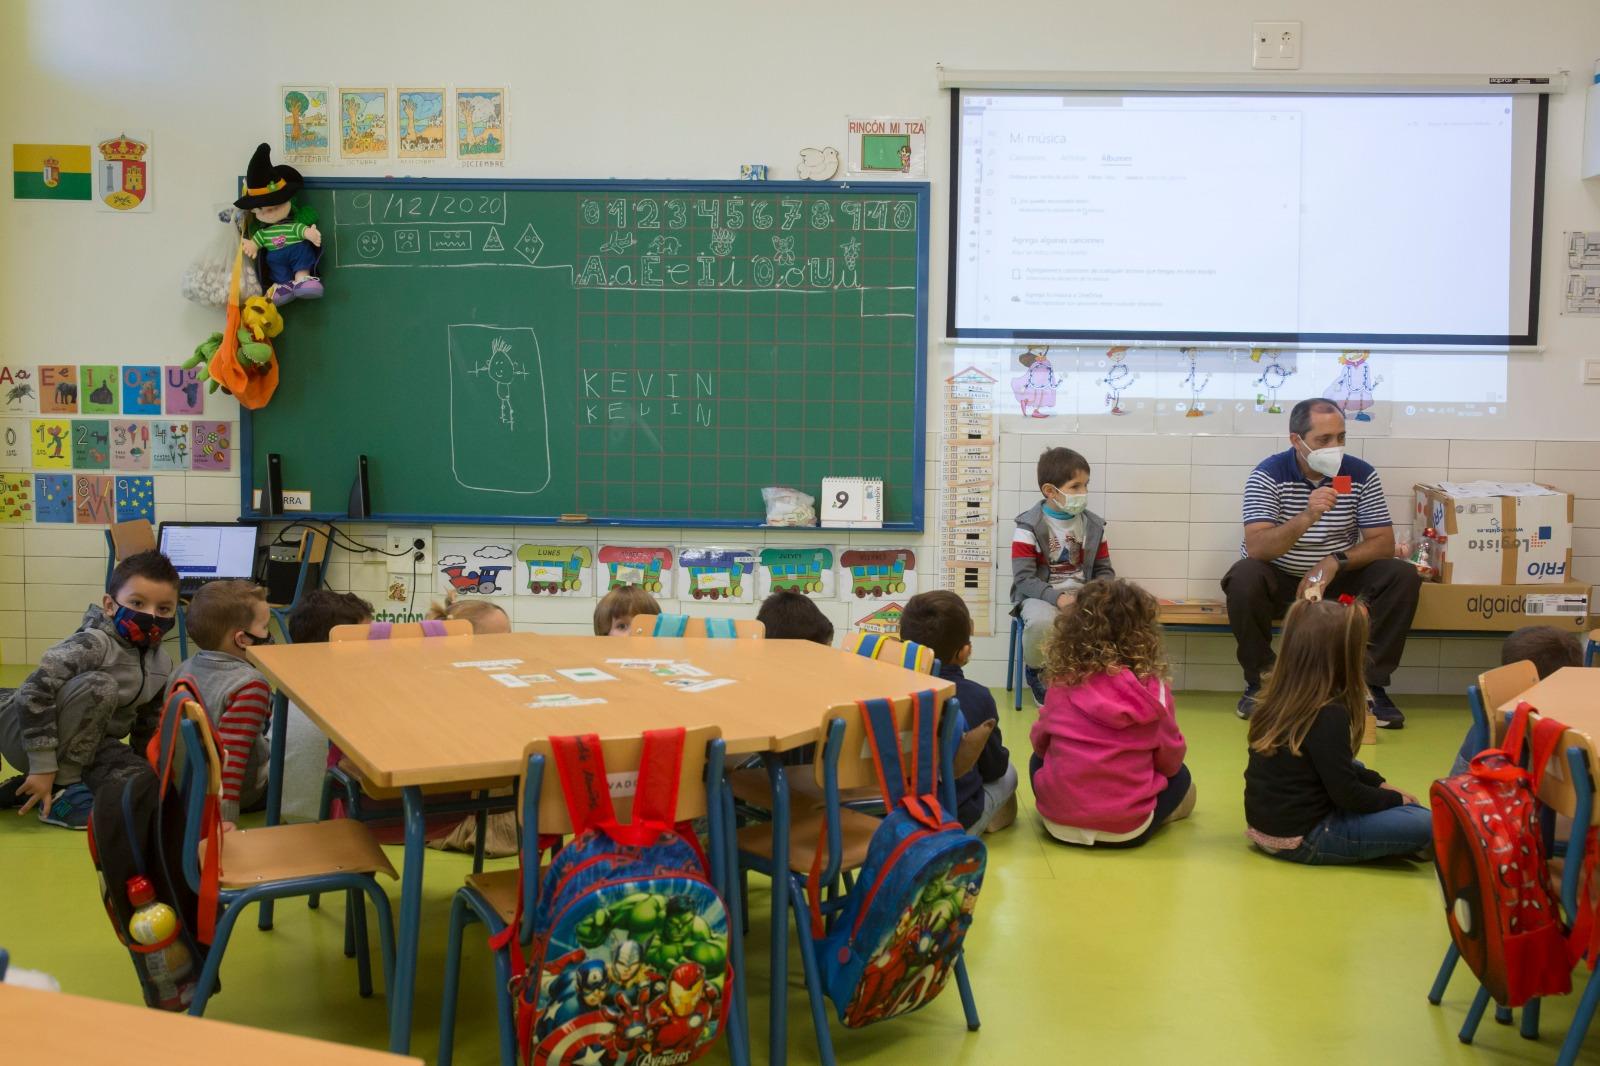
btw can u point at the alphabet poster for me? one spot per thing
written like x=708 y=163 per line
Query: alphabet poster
x=185 y=394
x=58 y=390
x=19 y=389
x=141 y=390
x=97 y=389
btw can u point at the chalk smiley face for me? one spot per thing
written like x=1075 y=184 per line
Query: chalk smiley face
x=369 y=244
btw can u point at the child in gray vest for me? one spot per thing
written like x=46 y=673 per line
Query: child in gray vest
x=227 y=619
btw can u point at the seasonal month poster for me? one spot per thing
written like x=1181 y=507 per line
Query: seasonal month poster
x=421 y=124
x=305 y=125
x=364 y=124
x=480 y=127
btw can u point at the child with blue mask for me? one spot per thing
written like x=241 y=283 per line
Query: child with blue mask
x=63 y=728
x=1058 y=547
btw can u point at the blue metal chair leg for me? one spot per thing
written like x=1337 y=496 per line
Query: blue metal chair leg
x=739 y=1007
x=459 y=916
x=1580 y=1023
x=1469 y=1028
x=778 y=1022
x=1011 y=657
x=1502 y=1014
x=808 y=966
x=1530 y=1020
x=481 y=823
x=380 y=904
x=1019 y=664
x=324 y=809
x=358 y=924
x=964 y=985
x=1452 y=955
x=208 y=974
x=349 y=925
x=407 y=931
x=505 y=1010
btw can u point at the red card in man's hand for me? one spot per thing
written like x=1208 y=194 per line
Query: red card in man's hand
x=1341 y=484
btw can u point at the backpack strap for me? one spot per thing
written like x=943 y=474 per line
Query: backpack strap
x=877 y=715
x=721 y=628
x=671 y=625
x=587 y=790
x=163 y=747
x=379 y=630
x=432 y=627
x=1505 y=762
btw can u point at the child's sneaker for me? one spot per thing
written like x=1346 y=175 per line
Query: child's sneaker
x=1247 y=702
x=1383 y=709
x=70 y=808
x=1035 y=684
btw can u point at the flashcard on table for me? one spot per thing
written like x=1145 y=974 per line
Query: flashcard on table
x=636 y=664
x=141 y=390
x=564 y=699
x=717 y=574
x=586 y=673
x=1342 y=484
x=95 y=505
x=877 y=574
x=130 y=446
x=16 y=498
x=209 y=443
x=98 y=389
x=136 y=498
x=91 y=444
x=476 y=567
x=649 y=568
x=522 y=680
x=15 y=451
x=52 y=498
x=169 y=445
x=690 y=684
x=185 y=395
x=672 y=669
x=555 y=570
x=58 y=390
x=19 y=389
x=500 y=665
x=52 y=441
x=805 y=570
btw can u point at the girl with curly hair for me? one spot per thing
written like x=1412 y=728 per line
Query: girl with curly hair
x=1108 y=766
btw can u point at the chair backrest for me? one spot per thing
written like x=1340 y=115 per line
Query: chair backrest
x=313 y=546
x=906 y=653
x=1481 y=734
x=544 y=805
x=856 y=766
x=450 y=627
x=131 y=538
x=682 y=625
x=1502 y=685
x=200 y=750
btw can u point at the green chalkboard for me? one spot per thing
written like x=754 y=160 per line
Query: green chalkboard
x=648 y=353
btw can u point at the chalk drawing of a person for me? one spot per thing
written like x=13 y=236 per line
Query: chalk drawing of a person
x=1353 y=389
x=1118 y=377
x=1273 y=376
x=1036 y=386
x=502 y=370
x=1194 y=383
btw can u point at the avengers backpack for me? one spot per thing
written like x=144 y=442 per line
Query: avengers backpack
x=630 y=939
x=1500 y=903
x=894 y=943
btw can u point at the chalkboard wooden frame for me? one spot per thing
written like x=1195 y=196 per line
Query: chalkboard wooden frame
x=920 y=190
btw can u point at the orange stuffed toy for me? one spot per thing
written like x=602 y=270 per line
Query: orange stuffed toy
x=251 y=386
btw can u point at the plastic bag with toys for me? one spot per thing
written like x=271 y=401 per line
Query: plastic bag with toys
x=206 y=279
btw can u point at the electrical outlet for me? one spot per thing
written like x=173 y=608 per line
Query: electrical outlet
x=404 y=542
x=1275 y=46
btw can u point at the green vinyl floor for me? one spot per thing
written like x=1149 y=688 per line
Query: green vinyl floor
x=1193 y=949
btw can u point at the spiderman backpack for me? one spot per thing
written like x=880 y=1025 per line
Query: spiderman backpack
x=1500 y=903
x=892 y=946
x=630 y=958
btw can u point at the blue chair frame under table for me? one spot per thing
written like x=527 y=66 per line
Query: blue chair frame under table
x=308 y=558
x=1016 y=668
x=1591 y=648
x=544 y=812
x=1578 y=763
x=357 y=878
x=5 y=961
x=789 y=891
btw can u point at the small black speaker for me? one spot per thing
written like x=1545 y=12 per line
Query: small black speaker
x=274 y=500
x=360 y=491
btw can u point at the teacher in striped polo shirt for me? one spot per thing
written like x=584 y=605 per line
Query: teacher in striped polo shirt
x=1316 y=516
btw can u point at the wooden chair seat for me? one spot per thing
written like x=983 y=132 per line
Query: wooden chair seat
x=804 y=830
x=379 y=792
x=751 y=786
x=285 y=852
x=499 y=890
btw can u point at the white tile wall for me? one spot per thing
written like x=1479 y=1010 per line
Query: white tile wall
x=1171 y=505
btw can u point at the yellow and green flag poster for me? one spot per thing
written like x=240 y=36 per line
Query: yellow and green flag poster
x=50 y=171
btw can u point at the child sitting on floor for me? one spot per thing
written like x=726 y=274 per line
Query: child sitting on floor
x=1307 y=798
x=790 y=615
x=305 y=747
x=986 y=795
x=1549 y=649
x=1107 y=767
x=614 y=614
x=227 y=619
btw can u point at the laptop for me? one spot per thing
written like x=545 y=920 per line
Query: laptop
x=208 y=551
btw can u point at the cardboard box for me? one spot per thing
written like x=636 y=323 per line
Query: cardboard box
x=1496 y=534
x=1502 y=608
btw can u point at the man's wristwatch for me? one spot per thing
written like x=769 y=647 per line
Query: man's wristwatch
x=1342 y=558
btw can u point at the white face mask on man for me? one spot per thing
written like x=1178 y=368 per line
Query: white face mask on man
x=1325 y=461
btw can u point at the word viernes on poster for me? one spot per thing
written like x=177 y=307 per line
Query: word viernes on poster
x=875 y=574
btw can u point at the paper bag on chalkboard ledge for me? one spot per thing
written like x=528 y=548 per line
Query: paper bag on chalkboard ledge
x=789 y=507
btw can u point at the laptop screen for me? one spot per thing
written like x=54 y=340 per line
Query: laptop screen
x=210 y=551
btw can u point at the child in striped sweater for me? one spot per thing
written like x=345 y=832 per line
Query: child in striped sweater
x=226 y=619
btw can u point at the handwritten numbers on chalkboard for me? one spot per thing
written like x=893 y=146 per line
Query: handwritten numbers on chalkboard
x=710 y=210
x=853 y=209
x=878 y=214
x=904 y=215
x=821 y=214
x=618 y=210
x=791 y=213
x=649 y=214
x=591 y=213
x=761 y=215
x=735 y=212
x=677 y=214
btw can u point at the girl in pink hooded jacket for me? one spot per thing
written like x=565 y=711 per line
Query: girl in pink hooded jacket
x=1108 y=764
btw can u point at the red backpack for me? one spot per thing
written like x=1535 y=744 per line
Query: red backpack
x=1500 y=900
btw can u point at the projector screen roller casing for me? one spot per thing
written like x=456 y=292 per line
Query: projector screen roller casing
x=1287 y=218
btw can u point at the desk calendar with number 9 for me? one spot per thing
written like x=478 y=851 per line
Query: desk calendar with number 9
x=852 y=503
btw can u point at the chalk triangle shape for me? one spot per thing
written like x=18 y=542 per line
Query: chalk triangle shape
x=492 y=242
